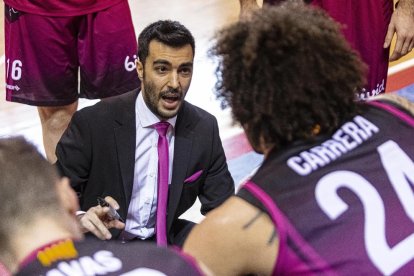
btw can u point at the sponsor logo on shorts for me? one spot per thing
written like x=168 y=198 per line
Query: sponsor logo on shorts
x=12 y=87
x=130 y=64
x=364 y=94
x=11 y=13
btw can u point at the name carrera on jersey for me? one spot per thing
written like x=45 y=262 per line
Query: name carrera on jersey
x=346 y=138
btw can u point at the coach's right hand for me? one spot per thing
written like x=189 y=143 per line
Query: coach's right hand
x=97 y=220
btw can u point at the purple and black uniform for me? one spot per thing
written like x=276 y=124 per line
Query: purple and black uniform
x=46 y=41
x=343 y=204
x=114 y=258
x=364 y=25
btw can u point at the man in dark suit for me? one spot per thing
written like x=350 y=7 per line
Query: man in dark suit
x=110 y=149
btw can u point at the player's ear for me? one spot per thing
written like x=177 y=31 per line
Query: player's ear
x=140 y=69
x=69 y=202
x=67 y=196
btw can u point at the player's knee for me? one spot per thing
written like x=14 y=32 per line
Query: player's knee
x=56 y=118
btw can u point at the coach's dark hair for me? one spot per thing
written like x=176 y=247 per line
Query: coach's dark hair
x=27 y=189
x=170 y=33
x=286 y=72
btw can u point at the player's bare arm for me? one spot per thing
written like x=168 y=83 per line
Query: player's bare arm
x=398 y=100
x=254 y=219
x=230 y=236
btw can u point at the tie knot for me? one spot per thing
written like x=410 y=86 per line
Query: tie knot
x=162 y=128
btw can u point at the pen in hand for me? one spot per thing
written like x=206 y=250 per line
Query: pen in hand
x=113 y=214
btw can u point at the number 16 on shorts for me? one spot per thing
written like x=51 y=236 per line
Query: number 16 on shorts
x=14 y=70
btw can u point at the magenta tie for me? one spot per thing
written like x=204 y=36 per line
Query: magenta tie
x=163 y=163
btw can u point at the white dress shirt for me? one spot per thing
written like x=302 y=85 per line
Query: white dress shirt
x=142 y=209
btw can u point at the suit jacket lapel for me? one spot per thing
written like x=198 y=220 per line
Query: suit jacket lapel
x=125 y=137
x=182 y=150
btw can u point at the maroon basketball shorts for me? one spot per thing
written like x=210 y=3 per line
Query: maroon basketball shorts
x=45 y=56
x=364 y=24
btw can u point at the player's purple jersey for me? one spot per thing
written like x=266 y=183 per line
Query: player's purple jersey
x=364 y=25
x=96 y=257
x=343 y=204
x=61 y=7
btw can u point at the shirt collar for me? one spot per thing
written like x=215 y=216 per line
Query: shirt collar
x=145 y=117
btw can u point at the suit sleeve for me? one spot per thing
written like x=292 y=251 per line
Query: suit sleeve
x=219 y=184
x=74 y=152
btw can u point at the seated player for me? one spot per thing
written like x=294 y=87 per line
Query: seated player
x=40 y=235
x=334 y=195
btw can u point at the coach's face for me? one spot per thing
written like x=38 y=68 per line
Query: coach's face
x=166 y=77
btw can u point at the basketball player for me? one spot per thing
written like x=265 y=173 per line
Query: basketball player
x=334 y=194
x=48 y=43
x=369 y=27
x=39 y=233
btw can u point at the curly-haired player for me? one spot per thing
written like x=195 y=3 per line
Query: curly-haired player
x=334 y=194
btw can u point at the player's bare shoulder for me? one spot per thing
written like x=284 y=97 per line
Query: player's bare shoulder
x=397 y=100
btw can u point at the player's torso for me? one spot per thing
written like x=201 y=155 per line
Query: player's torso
x=348 y=199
